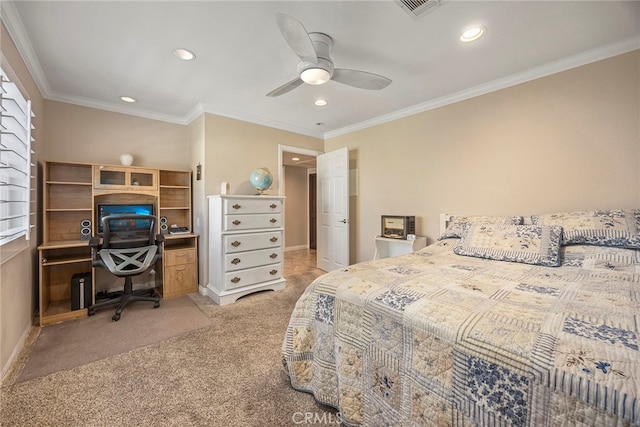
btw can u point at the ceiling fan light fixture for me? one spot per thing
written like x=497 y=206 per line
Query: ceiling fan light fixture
x=315 y=76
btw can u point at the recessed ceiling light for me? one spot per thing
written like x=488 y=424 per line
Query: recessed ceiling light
x=184 y=54
x=320 y=102
x=472 y=34
x=127 y=99
x=295 y=159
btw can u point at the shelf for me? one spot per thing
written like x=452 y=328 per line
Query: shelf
x=64 y=244
x=57 y=311
x=68 y=183
x=64 y=260
x=69 y=210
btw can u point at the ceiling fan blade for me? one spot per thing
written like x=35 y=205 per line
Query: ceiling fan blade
x=296 y=36
x=289 y=86
x=360 y=79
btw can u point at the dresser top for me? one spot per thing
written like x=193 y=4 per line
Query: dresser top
x=243 y=196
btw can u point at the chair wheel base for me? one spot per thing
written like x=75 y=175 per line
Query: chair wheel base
x=115 y=317
x=92 y=312
x=156 y=304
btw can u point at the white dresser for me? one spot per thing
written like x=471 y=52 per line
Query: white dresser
x=245 y=246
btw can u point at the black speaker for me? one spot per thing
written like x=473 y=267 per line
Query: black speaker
x=164 y=226
x=85 y=229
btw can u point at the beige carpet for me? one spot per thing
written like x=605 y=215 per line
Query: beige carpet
x=80 y=341
x=226 y=374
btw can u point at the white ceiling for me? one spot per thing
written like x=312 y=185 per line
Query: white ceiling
x=92 y=52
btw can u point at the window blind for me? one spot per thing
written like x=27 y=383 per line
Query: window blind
x=16 y=167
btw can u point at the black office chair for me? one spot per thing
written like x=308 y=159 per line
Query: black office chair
x=128 y=247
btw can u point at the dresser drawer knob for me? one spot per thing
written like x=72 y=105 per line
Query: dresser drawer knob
x=273 y=206
x=236 y=206
x=273 y=256
x=273 y=239
x=235 y=261
x=235 y=279
x=273 y=220
x=273 y=272
x=237 y=222
x=235 y=243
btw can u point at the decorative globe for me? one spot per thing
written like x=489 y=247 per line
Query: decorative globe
x=261 y=179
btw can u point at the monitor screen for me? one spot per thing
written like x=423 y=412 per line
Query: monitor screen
x=121 y=209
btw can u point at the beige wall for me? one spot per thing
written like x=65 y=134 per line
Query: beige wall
x=199 y=202
x=18 y=275
x=565 y=142
x=82 y=134
x=233 y=149
x=296 y=208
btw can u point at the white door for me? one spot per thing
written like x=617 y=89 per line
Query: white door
x=333 y=210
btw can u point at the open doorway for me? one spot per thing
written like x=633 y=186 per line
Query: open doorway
x=296 y=181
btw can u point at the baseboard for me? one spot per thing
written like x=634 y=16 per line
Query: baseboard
x=15 y=354
x=296 y=248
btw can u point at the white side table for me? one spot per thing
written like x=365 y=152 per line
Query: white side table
x=386 y=247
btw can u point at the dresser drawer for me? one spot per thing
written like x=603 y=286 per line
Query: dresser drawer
x=179 y=257
x=238 y=279
x=243 y=206
x=250 y=222
x=251 y=241
x=242 y=260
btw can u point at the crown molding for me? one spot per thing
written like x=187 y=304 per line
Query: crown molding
x=550 y=68
x=12 y=22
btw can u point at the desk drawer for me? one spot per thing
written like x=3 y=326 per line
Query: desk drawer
x=252 y=241
x=247 y=222
x=242 y=260
x=242 y=206
x=179 y=256
x=180 y=280
x=239 y=279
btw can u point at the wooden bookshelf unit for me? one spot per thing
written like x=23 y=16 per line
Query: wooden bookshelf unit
x=71 y=193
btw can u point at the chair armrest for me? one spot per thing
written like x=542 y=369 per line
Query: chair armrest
x=94 y=243
x=160 y=243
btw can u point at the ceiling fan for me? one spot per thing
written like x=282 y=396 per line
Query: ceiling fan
x=316 y=67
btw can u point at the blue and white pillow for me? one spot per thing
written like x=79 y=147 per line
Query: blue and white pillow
x=529 y=244
x=617 y=227
x=459 y=224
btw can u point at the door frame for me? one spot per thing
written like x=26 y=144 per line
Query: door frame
x=290 y=149
x=282 y=148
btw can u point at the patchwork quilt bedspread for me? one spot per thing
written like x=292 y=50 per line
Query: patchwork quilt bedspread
x=437 y=339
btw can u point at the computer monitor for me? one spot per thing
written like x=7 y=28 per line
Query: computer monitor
x=105 y=209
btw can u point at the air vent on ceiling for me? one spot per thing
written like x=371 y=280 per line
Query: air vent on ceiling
x=417 y=8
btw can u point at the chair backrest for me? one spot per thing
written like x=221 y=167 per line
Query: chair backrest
x=129 y=244
x=128 y=231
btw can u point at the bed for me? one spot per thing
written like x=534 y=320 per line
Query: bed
x=495 y=324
